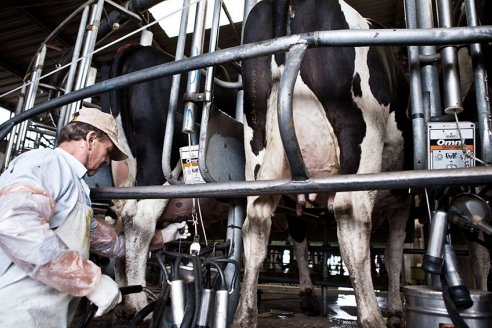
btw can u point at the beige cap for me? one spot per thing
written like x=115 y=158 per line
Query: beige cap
x=106 y=123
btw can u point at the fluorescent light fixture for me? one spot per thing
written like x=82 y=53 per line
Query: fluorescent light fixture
x=168 y=13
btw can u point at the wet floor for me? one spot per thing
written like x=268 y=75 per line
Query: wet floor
x=279 y=307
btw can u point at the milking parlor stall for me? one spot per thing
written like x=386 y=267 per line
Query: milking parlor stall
x=55 y=59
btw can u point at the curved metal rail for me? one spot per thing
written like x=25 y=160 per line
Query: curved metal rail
x=338 y=38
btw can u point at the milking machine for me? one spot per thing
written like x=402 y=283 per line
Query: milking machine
x=447 y=297
x=436 y=103
x=468 y=212
x=452 y=145
x=195 y=291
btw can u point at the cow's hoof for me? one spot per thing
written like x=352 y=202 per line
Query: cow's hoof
x=124 y=311
x=309 y=303
x=396 y=321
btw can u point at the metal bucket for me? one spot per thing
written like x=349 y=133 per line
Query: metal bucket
x=424 y=307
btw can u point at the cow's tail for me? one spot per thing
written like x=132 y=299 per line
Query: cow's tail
x=118 y=98
x=280 y=18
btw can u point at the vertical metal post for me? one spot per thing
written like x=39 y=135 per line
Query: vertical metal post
x=214 y=36
x=31 y=95
x=234 y=234
x=209 y=77
x=325 y=275
x=64 y=118
x=193 y=83
x=416 y=102
x=90 y=80
x=430 y=76
x=88 y=49
x=481 y=88
x=15 y=130
x=449 y=59
x=173 y=99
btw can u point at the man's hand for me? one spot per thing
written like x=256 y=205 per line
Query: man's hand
x=175 y=231
x=170 y=233
x=105 y=296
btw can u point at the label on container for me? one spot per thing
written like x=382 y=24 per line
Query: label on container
x=189 y=164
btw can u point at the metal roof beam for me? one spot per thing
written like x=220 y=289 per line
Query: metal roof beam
x=12 y=67
x=42 y=24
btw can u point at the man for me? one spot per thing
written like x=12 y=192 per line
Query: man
x=47 y=227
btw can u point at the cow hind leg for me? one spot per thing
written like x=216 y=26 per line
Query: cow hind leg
x=256 y=233
x=139 y=231
x=309 y=303
x=353 y=215
x=480 y=264
x=393 y=264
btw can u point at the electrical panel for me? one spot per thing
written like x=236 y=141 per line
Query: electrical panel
x=444 y=144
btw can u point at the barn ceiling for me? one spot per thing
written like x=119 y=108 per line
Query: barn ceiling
x=26 y=24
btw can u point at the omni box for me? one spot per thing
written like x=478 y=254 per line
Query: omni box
x=451 y=145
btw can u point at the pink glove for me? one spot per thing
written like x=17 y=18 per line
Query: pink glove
x=105 y=296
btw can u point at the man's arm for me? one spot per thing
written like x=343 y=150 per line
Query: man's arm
x=25 y=236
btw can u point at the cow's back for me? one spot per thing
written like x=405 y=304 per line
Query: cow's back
x=143 y=108
x=354 y=86
x=349 y=107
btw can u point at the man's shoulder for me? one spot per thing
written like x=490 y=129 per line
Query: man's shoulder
x=42 y=159
x=38 y=156
x=38 y=166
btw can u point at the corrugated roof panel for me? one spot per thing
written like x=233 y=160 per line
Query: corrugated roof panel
x=25 y=24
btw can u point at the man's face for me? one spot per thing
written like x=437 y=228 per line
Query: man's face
x=99 y=150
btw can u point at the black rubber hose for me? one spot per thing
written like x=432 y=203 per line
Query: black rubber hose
x=175 y=268
x=89 y=314
x=140 y=315
x=223 y=283
x=160 y=306
x=453 y=312
x=198 y=289
x=210 y=248
x=190 y=306
x=162 y=264
x=236 y=271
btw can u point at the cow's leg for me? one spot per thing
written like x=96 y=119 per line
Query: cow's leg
x=125 y=210
x=308 y=300
x=393 y=261
x=138 y=233
x=353 y=214
x=256 y=233
x=480 y=264
x=120 y=271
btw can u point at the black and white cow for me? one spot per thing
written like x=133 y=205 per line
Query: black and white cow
x=349 y=113
x=141 y=111
x=135 y=109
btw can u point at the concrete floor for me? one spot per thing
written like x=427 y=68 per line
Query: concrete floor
x=279 y=307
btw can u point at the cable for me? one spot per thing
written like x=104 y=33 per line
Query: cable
x=454 y=315
x=466 y=154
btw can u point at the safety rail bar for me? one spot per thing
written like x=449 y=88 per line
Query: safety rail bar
x=346 y=182
x=338 y=38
